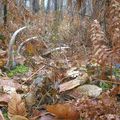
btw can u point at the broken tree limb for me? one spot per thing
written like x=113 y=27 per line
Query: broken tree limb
x=10 y=49
x=30 y=39
x=55 y=49
x=24 y=42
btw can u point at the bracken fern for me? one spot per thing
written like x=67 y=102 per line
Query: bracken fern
x=102 y=53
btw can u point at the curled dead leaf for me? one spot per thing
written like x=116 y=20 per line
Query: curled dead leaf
x=48 y=117
x=16 y=106
x=4 y=99
x=18 y=117
x=69 y=85
x=63 y=111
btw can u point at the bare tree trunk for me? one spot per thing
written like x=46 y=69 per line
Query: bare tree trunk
x=61 y=4
x=56 y=5
x=1 y=11
x=5 y=12
x=48 y=5
x=42 y=5
x=31 y=8
x=87 y=8
x=35 y=5
x=61 y=9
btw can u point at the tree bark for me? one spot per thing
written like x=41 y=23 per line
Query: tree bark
x=55 y=5
x=1 y=12
x=48 y=5
x=35 y=5
x=87 y=8
x=5 y=13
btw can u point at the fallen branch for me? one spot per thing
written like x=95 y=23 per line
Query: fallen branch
x=10 y=49
x=112 y=82
x=27 y=40
x=31 y=76
x=55 y=49
x=24 y=42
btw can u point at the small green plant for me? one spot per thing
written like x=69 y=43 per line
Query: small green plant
x=105 y=86
x=2 y=37
x=116 y=73
x=5 y=114
x=20 y=69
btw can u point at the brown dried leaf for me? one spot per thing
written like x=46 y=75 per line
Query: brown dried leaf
x=18 y=117
x=4 y=99
x=94 y=109
x=110 y=117
x=16 y=106
x=35 y=114
x=69 y=85
x=9 y=86
x=63 y=111
x=2 y=62
x=74 y=83
x=115 y=91
x=48 y=117
x=9 y=83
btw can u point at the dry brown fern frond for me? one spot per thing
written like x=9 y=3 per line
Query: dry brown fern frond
x=78 y=3
x=100 y=50
x=114 y=23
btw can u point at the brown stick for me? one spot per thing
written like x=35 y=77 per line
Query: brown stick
x=113 y=82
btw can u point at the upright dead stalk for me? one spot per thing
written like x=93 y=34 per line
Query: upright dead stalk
x=10 y=60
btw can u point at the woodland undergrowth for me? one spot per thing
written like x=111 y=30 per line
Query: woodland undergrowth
x=47 y=60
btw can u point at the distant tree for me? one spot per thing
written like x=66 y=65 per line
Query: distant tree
x=48 y=5
x=55 y=5
x=1 y=9
x=61 y=4
x=86 y=7
x=5 y=12
x=41 y=2
x=35 y=5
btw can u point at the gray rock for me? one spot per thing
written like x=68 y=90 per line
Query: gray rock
x=89 y=90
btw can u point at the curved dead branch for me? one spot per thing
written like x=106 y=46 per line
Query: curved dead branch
x=10 y=49
x=24 y=42
x=55 y=49
x=30 y=39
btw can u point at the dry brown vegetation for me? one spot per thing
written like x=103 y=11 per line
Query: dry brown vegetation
x=48 y=58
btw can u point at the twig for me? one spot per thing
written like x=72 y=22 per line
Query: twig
x=29 y=78
x=42 y=98
x=113 y=82
x=55 y=49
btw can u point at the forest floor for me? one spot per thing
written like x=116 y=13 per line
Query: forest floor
x=57 y=86
x=46 y=70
